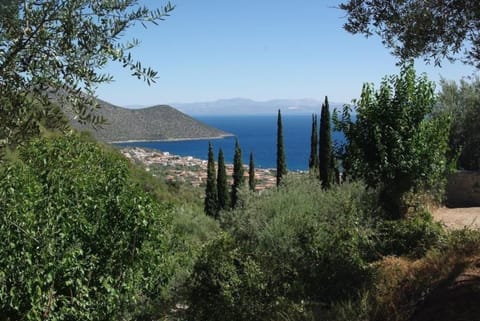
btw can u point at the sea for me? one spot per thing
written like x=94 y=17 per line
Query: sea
x=255 y=133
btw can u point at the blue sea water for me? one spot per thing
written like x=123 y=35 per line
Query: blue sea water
x=255 y=133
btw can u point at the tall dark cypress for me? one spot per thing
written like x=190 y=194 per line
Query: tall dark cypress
x=222 y=186
x=313 y=160
x=251 y=173
x=211 y=187
x=281 y=163
x=325 y=149
x=237 y=174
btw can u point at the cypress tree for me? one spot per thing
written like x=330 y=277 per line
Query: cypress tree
x=325 y=149
x=222 y=187
x=237 y=174
x=313 y=160
x=211 y=188
x=281 y=163
x=251 y=173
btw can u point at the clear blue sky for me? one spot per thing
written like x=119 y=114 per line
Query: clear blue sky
x=266 y=49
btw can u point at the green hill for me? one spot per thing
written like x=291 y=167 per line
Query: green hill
x=159 y=122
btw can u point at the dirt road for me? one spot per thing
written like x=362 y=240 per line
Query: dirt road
x=458 y=218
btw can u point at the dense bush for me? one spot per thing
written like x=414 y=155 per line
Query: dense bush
x=297 y=251
x=292 y=247
x=411 y=237
x=462 y=102
x=393 y=142
x=226 y=284
x=80 y=240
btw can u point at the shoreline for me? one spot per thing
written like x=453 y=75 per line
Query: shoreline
x=169 y=139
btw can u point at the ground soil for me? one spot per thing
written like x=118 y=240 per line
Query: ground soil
x=458 y=298
x=458 y=218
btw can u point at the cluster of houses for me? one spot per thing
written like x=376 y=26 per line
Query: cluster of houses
x=187 y=169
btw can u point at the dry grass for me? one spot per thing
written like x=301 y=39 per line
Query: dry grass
x=404 y=287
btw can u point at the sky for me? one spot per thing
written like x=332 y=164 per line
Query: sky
x=256 y=49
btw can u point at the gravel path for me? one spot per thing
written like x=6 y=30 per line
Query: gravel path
x=458 y=218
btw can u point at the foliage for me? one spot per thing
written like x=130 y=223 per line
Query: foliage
x=404 y=285
x=326 y=161
x=432 y=29
x=281 y=162
x=312 y=244
x=81 y=240
x=462 y=102
x=191 y=230
x=222 y=187
x=313 y=164
x=251 y=173
x=411 y=237
x=300 y=252
x=57 y=48
x=238 y=179
x=22 y=118
x=226 y=284
x=155 y=183
x=211 y=208
x=394 y=143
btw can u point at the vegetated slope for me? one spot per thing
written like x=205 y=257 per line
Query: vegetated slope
x=159 y=122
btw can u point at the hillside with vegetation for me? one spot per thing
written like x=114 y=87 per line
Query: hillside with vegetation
x=155 y=123
x=89 y=235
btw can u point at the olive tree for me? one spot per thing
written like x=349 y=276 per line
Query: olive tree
x=420 y=28
x=393 y=142
x=57 y=48
x=462 y=102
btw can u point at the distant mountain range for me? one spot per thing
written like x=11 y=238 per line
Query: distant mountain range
x=241 y=106
x=160 y=122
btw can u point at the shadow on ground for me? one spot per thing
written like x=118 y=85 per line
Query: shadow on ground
x=457 y=299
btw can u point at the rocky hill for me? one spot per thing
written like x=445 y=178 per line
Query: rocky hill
x=160 y=122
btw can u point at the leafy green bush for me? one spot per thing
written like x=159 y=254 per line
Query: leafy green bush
x=81 y=241
x=394 y=143
x=410 y=237
x=299 y=252
x=462 y=102
x=312 y=244
x=226 y=284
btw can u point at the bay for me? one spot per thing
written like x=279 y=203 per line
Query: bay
x=255 y=133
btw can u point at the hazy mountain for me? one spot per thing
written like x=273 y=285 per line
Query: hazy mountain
x=160 y=122
x=241 y=106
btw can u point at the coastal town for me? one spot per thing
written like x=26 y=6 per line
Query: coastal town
x=190 y=170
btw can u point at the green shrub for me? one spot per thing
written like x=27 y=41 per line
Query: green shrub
x=81 y=241
x=312 y=244
x=393 y=142
x=226 y=284
x=410 y=237
x=299 y=252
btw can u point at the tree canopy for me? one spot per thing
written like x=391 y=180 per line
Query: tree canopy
x=430 y=29
x=394 y=143
x=237 y=175
x=61 y=46
x=462 y=102
x=281 y=162
x=222 y=185
x=211 y=197
x=325 y=153
x=83 y=240
x=313 y=160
